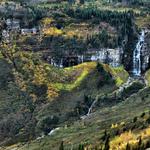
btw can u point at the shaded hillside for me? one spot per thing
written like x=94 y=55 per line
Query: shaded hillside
x=38 y=95
x=124 y=120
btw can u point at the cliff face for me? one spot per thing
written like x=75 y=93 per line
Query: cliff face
x=130 y=45
x=145 y=52
x=109 y=56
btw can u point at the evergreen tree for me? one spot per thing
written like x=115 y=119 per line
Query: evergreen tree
x=128 y=146
x=82 y=1
x=81 y=147
x=61 y=146
x=71 y=2
x=107 y=144
x=141 y=145
x=104 y=136
x=140 y=142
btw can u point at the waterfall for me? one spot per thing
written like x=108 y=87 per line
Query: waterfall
x=53 y=131
x=137 y=55
x=50 y=133
x=90 y=109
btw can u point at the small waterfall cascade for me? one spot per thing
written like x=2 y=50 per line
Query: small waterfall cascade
x=137 y=55
x=53 y=131
x=90 y=109
x=49 y=134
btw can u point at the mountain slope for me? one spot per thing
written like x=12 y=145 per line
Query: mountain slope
x=38 y=95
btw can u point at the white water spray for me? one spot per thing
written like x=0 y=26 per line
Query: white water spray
x=90 y=109
x=53 y=131
x=137 y=55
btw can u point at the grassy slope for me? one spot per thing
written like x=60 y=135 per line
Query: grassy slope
x=90 y=130
x=70 y=84
x=67 y=102
x=74 y=91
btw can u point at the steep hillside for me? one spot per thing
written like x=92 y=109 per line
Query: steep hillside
x=38 y=95
x=125 y=123
x=126 y=119
x=74 y=75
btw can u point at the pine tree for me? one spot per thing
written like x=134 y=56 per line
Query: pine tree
x=140 y=142
x=82 y=1
x=81 y=147
x=141 y=145
x=107 y=144
x=128 y=146
x=104 y=136
x=61 y=146
x=71 y=2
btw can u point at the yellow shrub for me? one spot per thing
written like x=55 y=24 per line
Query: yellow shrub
x=114 y=126
x=121 y=141
x=70 y=34
x=51 y=92
x=47 y=21
x=122 y=123
x=52 y=31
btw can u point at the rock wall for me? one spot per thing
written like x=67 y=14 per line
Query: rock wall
x=145 y=53
x=112 y=57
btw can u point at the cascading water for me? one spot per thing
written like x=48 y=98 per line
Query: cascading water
x=90 y=109
x=137 y=55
